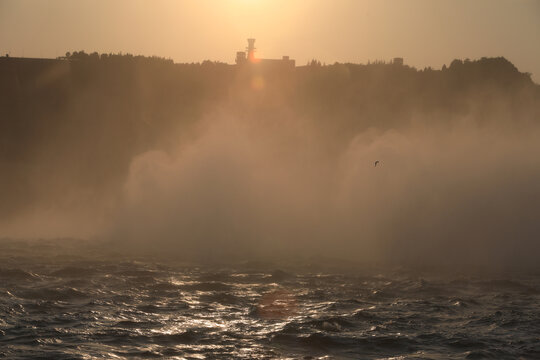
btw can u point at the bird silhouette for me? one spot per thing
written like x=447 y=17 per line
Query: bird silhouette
x=376 y=162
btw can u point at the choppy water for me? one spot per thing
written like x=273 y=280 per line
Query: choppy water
x=80 y=304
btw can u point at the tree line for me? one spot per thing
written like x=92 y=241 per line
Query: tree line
x=75 y=124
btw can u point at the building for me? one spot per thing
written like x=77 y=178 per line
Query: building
x=248 y=57
x=398 y=61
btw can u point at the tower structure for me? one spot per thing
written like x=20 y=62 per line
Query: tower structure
x=251 y=50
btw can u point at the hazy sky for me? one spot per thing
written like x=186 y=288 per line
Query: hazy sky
x=424 y=32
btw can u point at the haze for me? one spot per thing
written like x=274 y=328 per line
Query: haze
x=255 y=179
x=424 y=32
x=204 y=159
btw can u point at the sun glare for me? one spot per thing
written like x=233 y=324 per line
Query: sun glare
x=261 y=18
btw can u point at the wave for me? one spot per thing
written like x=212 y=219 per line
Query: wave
x=156 y=309
x=132 y=324
x=186 y=337
x=53 y=294
x=221 y=298
x=317 y=341
x=16 y=274
x=74 y=272
x=207 y=286
x=165 y=287
x=333 y=324
x=507 y=285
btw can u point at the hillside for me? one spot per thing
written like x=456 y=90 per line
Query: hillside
x=70 y=127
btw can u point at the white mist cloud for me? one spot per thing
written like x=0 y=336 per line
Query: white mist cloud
x=247 y=188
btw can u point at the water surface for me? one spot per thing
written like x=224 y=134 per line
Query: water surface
x=62 y=300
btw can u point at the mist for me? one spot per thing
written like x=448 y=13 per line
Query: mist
x=286 y=169
x=466 y=195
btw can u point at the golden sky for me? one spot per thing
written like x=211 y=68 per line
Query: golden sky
x=424 y=32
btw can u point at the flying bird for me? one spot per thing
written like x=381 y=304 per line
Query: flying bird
x=376 y=162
